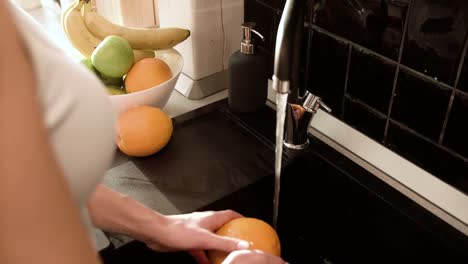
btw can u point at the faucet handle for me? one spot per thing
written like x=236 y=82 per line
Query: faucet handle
x=312 y=103
x=325 y=107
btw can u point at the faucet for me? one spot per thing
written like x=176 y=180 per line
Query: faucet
x=301 y=107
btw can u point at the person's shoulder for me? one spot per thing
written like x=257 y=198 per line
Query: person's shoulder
x=31 y=31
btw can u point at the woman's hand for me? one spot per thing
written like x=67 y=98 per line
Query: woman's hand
x=118 y=213
x=121 y=214
x=194 y=233
x=252 y=257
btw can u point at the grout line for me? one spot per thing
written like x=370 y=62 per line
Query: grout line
x=462 y=62
x=405 y=127
x=345 y=89
x=356 y=45
x=426 y=78
x=452 y=96
x=366 y=106
x=397 y=71
x=446 y=118
x=428 y=140
x=268 y=6
x=388 y=60
x=390 y=105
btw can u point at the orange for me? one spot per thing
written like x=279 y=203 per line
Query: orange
x=259 y=233
x=146 y=74
x=143 y=131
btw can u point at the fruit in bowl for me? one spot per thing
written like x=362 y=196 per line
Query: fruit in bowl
x=111 y=51
x=113 y=57
x=148 y=81
x=85 y=28
x=147 y=73
x=150 y=84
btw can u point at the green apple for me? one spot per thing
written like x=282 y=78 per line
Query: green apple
x=113 y=57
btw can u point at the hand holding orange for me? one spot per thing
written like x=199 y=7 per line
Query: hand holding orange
x=259 y=233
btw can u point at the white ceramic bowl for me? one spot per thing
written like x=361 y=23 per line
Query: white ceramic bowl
x=156 y=96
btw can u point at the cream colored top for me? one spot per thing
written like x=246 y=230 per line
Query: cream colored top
x=77 y=111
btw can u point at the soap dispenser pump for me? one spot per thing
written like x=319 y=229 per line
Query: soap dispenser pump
x=248 y=80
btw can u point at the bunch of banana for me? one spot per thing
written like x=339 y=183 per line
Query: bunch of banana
x=76 y=30
x=85 y=29
x=138 y=38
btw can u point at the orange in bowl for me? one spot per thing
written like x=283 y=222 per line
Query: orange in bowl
x=156 y=96
x=260 y=234
x=147 y=73
x=143 y=131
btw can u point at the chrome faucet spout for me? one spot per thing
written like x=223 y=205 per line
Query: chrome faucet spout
x=300 y=109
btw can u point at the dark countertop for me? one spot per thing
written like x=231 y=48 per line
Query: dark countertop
x=331 y=209
x=209 y=156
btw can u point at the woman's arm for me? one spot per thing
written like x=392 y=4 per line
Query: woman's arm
x=121 y=214
x=118 y=213
x=39 y=221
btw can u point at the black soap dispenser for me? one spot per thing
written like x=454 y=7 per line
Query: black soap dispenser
x=248 y=80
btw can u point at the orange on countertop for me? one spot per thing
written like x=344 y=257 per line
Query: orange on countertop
x=143 y=131
x=146 y=74
x=260 y=234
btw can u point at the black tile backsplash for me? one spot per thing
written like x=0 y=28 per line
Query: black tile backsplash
x=327 y=69
x=376 y=89
x=377 y=25
x=275 y=4
x=435 y=37
x=456 y=135
x=264 y=17
x=434 y=159
x=463 y=83
x=420 y=104
x=389 y=68
x=363 y=119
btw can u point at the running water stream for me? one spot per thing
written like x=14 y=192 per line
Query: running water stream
x=281 y=103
